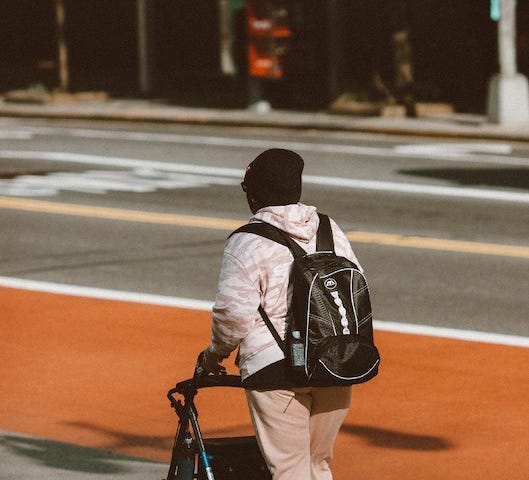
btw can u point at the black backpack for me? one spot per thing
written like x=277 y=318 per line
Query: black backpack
x=329 y=336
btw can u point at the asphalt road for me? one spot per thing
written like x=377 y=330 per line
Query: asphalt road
x=440 y=227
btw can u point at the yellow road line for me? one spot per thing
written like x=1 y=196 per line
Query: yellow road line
x=118 y=214
x=403 y=241
x=445 y=245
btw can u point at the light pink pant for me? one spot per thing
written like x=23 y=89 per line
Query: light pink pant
x=296 y=429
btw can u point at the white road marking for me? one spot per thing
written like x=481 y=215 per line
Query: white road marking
x=202 y=305
x=460 y=149
x=421 y=189
x=210 y=171
x=15 y=135
x=495 y=152
x=139 y=180
x=121 y=162
x=454 y=333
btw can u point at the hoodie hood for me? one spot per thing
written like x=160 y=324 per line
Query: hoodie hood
x=298 y=220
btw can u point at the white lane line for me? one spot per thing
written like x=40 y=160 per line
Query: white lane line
x=104 y=294
x=15 y=135
x=162 y=300
x=463 y=152
x=209 y=170
x=421 y=189
x=121 y=162
x=453 y=333
x=457 y=148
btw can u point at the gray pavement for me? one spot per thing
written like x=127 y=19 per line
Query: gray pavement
x=25 y=458
x=464 y=126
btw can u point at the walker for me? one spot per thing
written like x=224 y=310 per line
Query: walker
x=193 y=457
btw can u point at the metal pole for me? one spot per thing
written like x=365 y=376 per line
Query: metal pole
x=227 y=62
x=64 y=80
x=143 y=13
x=508 y=96
x=507 y=37
x=335 y=47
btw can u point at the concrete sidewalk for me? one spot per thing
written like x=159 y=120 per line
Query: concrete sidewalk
x=456 y=126
x=24 y=458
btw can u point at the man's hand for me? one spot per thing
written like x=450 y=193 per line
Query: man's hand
x=210 y=362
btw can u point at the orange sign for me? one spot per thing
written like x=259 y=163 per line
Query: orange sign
x=269 y=35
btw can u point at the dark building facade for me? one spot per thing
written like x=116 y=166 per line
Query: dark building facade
x=321 y=48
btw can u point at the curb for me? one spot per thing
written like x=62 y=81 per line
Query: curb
x=422 y=127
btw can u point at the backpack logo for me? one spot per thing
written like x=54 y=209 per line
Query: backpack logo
x=330 y=284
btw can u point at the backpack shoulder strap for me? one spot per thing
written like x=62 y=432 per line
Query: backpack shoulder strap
x=273 y=331
x=267 y=230
x=275 y=234
x=324 y=238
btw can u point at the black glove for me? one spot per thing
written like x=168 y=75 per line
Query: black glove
x=211 y=362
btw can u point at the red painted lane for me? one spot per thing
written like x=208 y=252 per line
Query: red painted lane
x=95 y=372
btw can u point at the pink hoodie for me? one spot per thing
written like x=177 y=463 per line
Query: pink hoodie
x=255 y=271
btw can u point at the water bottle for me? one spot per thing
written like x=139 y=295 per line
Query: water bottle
x=297 y=350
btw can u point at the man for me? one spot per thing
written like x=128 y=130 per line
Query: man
x=295 y=427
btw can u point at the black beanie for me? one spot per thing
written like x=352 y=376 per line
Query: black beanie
x=274 y=177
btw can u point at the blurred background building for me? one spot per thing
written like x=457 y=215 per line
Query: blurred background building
x=301 y=54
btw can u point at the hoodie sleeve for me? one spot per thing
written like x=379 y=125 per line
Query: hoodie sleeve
x=236 y=304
